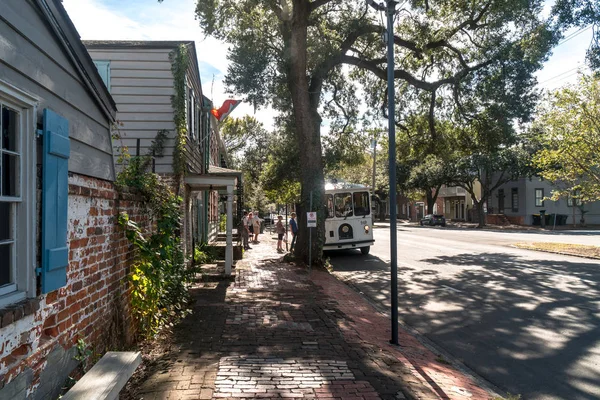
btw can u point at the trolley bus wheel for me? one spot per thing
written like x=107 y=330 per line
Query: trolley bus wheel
x=365 y=250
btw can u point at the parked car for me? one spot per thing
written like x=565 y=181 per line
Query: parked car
x=433 y=219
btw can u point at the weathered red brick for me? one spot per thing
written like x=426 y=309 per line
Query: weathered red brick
x=51 y=297
x=76 y=286
x=64 y=314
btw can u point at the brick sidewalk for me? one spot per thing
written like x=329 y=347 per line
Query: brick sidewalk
x=276 y=332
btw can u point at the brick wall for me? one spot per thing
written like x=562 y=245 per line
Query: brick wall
x=516 y=219
x=38 y=336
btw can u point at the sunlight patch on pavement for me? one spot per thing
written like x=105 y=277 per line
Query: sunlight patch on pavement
x=442 y=306
x=452 y=289
x=527 y=306
x=550 y=339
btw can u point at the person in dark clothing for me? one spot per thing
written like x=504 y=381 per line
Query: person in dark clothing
x=294 y=230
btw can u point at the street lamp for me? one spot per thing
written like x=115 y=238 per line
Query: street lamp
x=390 y=9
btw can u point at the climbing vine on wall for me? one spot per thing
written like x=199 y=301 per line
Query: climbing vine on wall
x=159 y=276
x=179 y=63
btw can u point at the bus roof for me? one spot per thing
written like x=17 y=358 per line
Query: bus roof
x=345 y=186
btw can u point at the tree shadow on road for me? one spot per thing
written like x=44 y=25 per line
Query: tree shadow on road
x=499 y=311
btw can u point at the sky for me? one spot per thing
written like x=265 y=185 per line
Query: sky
x=174 y=20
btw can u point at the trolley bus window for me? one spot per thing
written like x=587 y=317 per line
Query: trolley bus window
x=361 y=203
x=329 y=205
x=343 y=204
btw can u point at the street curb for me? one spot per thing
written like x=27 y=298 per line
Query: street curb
x=459 y=366
x=562 y=253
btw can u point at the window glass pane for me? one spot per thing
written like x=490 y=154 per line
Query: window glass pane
x=10 y=175
x=343 y=204
x=5 y=251
x=5 y=221
x=9 y=129
x=329 y=205
x=361 y=203
x=539 y=196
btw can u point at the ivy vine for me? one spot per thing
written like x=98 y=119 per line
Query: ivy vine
x=179 y=63
x=160 y=277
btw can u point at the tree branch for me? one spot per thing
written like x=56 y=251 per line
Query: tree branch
x=431 y=118
x=381 y=73
x=334 y=99
x=470 y=23
x=283 y=11
x=326 y=66
x=318 y=3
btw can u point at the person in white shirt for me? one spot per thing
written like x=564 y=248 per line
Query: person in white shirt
x=243 y=228
x=256 y=220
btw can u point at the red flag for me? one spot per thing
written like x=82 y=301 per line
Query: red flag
x=226 y=109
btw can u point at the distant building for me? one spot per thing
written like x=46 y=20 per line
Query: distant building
x=520 y=200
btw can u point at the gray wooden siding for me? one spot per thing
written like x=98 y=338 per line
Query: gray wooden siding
x=141 y=83
x=193 y=153
x=32 y=59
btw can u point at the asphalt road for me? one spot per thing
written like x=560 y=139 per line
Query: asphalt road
x=528 y=322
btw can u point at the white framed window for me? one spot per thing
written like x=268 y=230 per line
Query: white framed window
x=539 y=197
x=574 y=196
x=17 y=194
x=192 y=115
x=514 y=192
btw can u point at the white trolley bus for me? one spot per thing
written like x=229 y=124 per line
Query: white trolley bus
x=348 y=221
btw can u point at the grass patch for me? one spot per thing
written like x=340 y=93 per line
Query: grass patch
x=508 y=397
x=442 y=360
x=564 y=248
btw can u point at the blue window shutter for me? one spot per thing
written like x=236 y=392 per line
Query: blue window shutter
x=55 y=201
x=104 y=70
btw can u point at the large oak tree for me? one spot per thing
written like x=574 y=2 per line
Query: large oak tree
x=291 y=53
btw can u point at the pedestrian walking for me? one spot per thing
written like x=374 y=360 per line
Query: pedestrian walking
x=293 y=230
x=243 y=230
x=250 y=225
x=256 y=220
x=280 y=230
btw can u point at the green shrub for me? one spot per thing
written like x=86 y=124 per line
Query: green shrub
x=204 y=254
x=222 y=223
x=159 y=277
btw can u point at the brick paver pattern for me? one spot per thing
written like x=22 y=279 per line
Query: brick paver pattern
x=276 y=377
x=274 y=333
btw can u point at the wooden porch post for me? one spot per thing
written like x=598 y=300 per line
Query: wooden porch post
x=229 y=242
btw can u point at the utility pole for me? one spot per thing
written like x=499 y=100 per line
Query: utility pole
x=390 y=9
x=374 y=142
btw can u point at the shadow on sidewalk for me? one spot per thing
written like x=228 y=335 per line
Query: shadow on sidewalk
x=272 y=331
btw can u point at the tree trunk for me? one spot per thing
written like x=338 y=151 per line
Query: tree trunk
x=382 y=211
x=431 y=199
x=307 y=124
x=480 y=213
